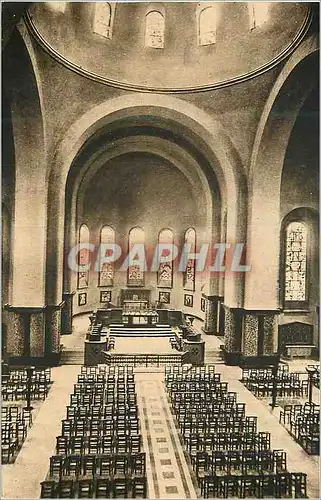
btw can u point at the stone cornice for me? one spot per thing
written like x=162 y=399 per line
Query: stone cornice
x=32 y=309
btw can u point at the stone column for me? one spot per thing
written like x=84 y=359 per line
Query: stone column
x=232 y=335
x=221 y=318
x=210 y=324
x=270 y=328
x=66 y=313
x=17 y=331
x=37 y=333
x=250 y=335
x=259 y=328
x=53 y=328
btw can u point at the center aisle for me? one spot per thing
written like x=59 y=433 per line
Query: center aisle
x=168 y=475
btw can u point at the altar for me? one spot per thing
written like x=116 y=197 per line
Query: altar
x=140 y=317
x=134 y=305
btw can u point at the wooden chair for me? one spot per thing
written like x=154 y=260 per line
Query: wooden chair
x=48 y=489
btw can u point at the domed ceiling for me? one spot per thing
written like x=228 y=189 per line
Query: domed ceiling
x=169 y=47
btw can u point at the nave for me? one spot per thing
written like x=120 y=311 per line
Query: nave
x=168 y=469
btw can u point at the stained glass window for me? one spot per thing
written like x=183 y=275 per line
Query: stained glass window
x=165 y=269
x=189 y=275
x=103 y=20
x=207 y=22
x=106 y=274
x=83 y=257
x=296 y=262
x=258 y=13
x=154 y=30
x=135 y=270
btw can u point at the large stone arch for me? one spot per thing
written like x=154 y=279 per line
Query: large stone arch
x=292 y=87
x=218 y=148
x=208 y=205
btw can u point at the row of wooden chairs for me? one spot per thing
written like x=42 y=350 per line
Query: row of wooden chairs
x=178 y=370
x=100 y=450
x=261 y=382
x=105 y=398
x=99 y=487
x=224 y=472
x=15 y=422
x=119 y=371
x=303 y=423
x=280 y=485
x=228 y=441
x=104 y=404
x=241 y=461
x=111 y=443
x=95 y=427
x=224 y=423
x=129 y=464
x=21 y=375
x=15 y=384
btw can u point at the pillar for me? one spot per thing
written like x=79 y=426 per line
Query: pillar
x=221 y=317
x=210 y=324
x=37 y=333
x=67 y=313
x=53 y=328
x=259 y=331
x=33 y=331
x=17 y=332
x=232 y=330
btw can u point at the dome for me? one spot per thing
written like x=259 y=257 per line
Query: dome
x=169 y=46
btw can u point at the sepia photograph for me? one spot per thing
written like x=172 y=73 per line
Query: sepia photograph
x=160 y=250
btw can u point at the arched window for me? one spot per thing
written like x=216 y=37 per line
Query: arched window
x=189 y=275
x=106 y=273
x=154 y=30
x=165 y=269
x=295 y=286
x=258 y=13
x=136 y=257
x=104 y=18
x=83 y=257
x=207 y=22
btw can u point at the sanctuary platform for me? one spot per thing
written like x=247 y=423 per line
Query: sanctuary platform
x=140 y=334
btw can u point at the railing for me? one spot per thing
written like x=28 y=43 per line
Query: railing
x=145 y=359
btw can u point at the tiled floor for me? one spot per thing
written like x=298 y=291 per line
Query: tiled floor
x=167 y=471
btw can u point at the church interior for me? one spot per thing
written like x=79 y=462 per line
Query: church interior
x=160 y=250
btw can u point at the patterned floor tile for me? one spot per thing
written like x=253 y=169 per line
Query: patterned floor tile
x=171 y=489
x=166 y=461
x=168 y=475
